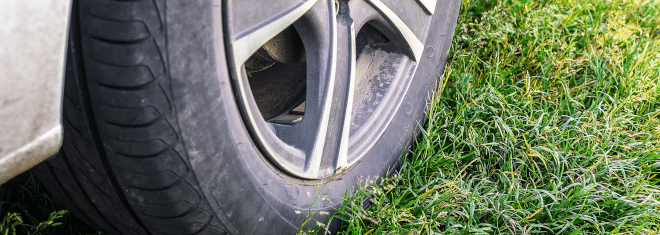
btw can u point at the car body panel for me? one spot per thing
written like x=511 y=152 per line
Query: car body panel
x=32 y=48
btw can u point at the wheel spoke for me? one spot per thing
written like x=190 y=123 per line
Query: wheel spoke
x=324 y=131
x=252 y=27
x=414 y=44
x=428 y=5
x=338 y=106
x=396 y=25
x=346 y=75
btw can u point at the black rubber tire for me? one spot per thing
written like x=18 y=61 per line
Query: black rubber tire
x=153 y=139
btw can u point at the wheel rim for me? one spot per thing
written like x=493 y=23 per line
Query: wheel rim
x=348 y=102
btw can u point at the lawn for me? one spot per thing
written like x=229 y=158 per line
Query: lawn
x=546 y=121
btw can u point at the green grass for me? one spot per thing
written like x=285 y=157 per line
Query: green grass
x=547 y=122
x=26 y=207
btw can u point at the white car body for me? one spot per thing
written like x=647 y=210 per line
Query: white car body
x=33 y=36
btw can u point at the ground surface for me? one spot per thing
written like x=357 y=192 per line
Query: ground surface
x=546 y=121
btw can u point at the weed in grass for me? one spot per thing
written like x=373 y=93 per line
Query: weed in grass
x=311 y=224
x=27 y=208
x=314 y=226
x=546 y=122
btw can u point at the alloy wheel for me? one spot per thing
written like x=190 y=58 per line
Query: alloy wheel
x=318 y=113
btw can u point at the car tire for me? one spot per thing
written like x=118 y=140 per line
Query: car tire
x=160 y=131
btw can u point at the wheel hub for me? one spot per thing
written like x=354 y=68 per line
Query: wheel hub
x=285 y=48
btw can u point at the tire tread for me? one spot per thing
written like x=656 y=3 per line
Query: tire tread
x=123 y=165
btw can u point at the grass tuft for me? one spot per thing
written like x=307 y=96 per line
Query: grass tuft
x=26 y=207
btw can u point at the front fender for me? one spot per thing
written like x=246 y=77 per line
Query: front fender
x=32 y=55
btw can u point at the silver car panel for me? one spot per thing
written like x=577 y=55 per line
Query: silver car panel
x=32 y=54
